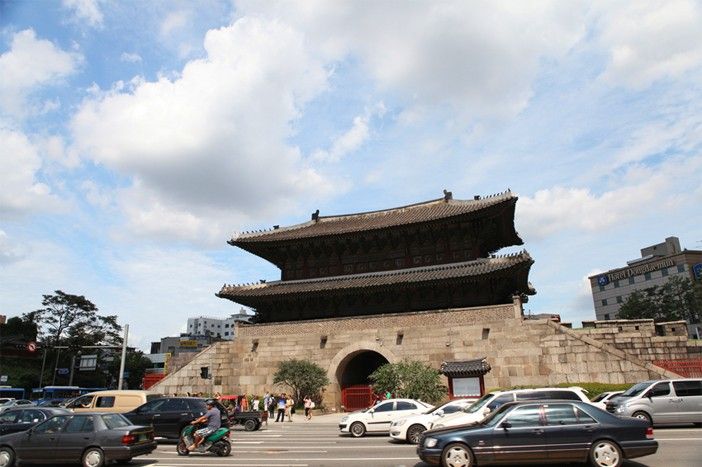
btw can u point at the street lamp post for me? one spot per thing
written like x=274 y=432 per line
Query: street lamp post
x=124 y=356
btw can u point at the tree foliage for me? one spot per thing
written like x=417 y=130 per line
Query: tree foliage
x=677 y=299
x=73 y=320
x=305 y=378
x=136 y=364
x=410 y=379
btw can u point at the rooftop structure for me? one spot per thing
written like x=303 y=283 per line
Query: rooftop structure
x=433 y=255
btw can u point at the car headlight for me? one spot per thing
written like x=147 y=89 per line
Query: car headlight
x=399 y=422
x=344 y=419
x=430 y=442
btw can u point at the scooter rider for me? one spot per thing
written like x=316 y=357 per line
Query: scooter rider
x=213 y=419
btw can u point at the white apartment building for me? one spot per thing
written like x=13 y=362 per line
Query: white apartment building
x=222 y=328
x=658 y=263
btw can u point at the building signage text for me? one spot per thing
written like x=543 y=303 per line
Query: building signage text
x=635 y=271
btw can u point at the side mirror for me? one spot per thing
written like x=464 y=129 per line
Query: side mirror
x=371 y=410
x=440 y=413
x=486 y=410
x=505 y=425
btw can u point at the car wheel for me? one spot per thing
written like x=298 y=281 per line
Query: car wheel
x=7 y=457
x=357 y=429
x=182 y=449
x=457 y=455
x=605 y=453
x=93 y=457
x=414 y=433
x=224 y=448
x=250 y=425
x=643 y=416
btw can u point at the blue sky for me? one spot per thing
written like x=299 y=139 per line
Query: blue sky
x=137 y=137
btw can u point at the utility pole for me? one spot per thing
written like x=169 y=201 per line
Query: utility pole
x=124 y=356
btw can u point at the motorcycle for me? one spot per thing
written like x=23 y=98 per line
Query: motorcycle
x=217 y=442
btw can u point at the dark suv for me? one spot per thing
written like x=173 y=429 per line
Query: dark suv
x=170 y=415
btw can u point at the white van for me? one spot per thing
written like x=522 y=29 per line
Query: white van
x=112 y=401
x=496 y=399
x=662 y=401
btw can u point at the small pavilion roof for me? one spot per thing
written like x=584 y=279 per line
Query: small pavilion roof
x=474 y=268
x=427 y=211
x=465 y=368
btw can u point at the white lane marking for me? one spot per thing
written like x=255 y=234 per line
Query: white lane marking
x=678 y=439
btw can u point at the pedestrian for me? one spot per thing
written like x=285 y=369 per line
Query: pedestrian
x=271 y=406
x=281 y=408
x=245 y=403
x=289 y=408
x=309 y=405
x=255 y=404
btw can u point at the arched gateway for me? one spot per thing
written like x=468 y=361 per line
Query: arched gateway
x=349 y=371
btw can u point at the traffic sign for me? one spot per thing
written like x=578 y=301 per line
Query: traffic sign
x=32 y=346
x=62 y=371
x=3 y=378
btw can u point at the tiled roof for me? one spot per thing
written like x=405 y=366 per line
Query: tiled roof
x=319 y=226
x=465 y=368
x=473 y=268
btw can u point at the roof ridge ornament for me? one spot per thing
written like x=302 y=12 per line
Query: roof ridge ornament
x=448 y=196
x=315 y=216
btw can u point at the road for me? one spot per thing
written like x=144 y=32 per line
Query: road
x=318 y=444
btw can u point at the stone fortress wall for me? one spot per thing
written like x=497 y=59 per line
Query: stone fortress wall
x=520 y=351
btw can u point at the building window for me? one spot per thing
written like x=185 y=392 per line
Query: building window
x=681 y=268
x=400 y=337
x=664 y=272
x=602 y=288
x=323 y=342
x=616 y=284
x=606 y=316
x=604 y=302
x=254 y=345
x=226 y=333
x=486 y=333
x=619 y=299
x=647 y=276
x=631 y=281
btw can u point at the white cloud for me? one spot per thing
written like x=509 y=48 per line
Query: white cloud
x=352 y=139
x=30 y=64
x=9 y=251
x=173 y=22
x=651 y=40
x=86 y=10
x=210 y=144
x=659 y=189
x=20 y=191
x=476 y=58
x=130 y=57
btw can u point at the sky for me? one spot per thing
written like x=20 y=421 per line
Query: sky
x=136 y=137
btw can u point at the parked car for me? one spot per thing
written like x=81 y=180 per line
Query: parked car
x=22 y=419
x=119 y=401
x=377 y=419
x=551 y=432
x=494 y=400
x=666 y=401
x=12 y=403
x=169 y=415
x=410 y=428
x=92 y=439
x=603 y=398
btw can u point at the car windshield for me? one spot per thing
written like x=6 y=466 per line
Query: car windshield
x=480 y=403
x=493 y=418
x=636 y=389
x=115 y=420
x=600 y=397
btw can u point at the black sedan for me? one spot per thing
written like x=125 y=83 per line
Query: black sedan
x=169 y=415
x=92 y=439
x=540 y=433
x=14 y=420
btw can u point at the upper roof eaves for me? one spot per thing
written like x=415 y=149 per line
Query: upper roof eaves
x=320 y=226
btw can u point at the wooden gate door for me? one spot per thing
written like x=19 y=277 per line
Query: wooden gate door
x=356 y=397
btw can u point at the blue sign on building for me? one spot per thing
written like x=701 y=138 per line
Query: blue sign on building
x=603 y=280
x=697 y=271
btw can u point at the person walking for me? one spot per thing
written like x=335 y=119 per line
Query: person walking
x=309 y=405
x=255 y=403
x=289 y=408
x=281 y=408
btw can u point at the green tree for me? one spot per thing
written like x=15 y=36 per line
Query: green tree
x=410 y=379
x=305 y=378
x=73 y=320
x=136 y=364
x=678 y=299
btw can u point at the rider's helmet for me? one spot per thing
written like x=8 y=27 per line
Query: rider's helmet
x=210 y=402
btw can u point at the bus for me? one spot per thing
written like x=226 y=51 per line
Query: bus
x=10 y=392
x=87 y=390
x=54 y=393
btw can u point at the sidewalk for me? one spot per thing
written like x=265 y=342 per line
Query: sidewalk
x=299 y=417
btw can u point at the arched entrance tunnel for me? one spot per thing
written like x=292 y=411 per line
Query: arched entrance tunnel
x=352 y=375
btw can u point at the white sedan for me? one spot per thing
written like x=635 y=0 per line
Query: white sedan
x=411 y=428
x=378 y=418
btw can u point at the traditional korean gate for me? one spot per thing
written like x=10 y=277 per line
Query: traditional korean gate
x=356 y=397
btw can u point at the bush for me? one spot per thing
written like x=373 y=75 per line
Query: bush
x=410 y=379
